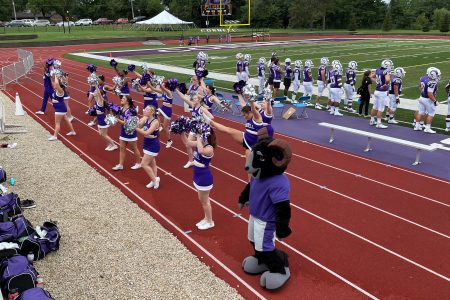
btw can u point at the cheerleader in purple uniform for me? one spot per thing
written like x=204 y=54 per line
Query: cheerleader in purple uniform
x=150 y=94
x=197 y=110
x=210 y=97
x=166 y=110
x=149 y=128
x=48 y=88
x=128 y=109
x=267 y=115
x=60 y=108
x=122 y=89
x=100 y=108
x=254 y=122
x=202 y=176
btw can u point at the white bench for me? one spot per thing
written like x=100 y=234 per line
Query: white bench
x=419 y=147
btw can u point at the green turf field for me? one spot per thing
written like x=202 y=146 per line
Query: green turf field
x=415 y=56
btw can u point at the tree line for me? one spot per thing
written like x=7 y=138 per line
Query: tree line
x=309 y=14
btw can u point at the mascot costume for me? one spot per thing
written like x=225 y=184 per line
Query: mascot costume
x=267 y=196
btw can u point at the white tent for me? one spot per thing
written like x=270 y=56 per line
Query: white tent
x=164 y=20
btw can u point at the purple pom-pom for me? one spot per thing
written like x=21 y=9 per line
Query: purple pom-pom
x=92 y=111
x=238 y=86
x=50 y=61
x=131 y=67
x=91 y=68
x=113 y=63
x=114 y=108
x=180 y=125
x=183 y=88
x=172 y=84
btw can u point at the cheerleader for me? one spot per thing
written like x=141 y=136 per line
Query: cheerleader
x=210 y=97
x=150 y=94
x=64 y=79
x=150 y=131
x=197 y=110
x=121 y=87
x=266 y=113
x=100 y=106
x=202 y=176
x=166 y=111
x=104 y=88
x=128 y=109
x=60 y=108
x=253 y=123
x=48 y=88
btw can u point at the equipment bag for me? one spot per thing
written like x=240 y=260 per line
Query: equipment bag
x=17 y=274
x=15 y=230
x=44 y=240
x=9 y=207
x=36 y=293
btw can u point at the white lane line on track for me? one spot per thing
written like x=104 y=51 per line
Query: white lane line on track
x=364 y=177
x=349 y=154
x=323 y=188
x=312 y=214
x=220 y=205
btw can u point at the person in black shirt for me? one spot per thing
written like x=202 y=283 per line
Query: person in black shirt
x=364 y=91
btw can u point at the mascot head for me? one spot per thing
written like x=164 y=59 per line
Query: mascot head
x=269 y=157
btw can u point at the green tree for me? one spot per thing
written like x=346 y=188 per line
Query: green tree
x=41 y=6
x=423 y=23
x=387 y=23
x=438 y=17
x=445 y=24
x=352 y=25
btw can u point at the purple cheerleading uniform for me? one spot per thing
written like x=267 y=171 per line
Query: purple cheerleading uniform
x=267 y=120
x=251 y=132
x=151 y=142
x=58 y=103
x=166 y=108
x=208 y=102
x=48 y=90
x=125 y=90
x=100 y=110
x=151 y=99
x=123 y=135
x=195 y=112
x=202 y=176
x=264 y=193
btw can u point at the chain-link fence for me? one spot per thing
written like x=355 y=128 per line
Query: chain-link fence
x=13 y=72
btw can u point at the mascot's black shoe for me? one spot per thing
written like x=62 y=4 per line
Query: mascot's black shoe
x=251 y=266
x=273 y=281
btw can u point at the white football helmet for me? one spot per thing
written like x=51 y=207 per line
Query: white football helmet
x=434 y=73
x=335 y=62
x=399 y=72
x=202 y=55
x=239 y=56
x=287 y=61
x=309 y=63
x=262 y=60
x=324 y=61
x=352 y=65
x=298 y=63
x=387 y=64
x=247 y=57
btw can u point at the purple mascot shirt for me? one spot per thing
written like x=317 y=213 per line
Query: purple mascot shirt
x=266 y=192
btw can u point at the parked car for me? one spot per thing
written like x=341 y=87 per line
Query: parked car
x=41 y=23
x=3 y=24
x=121 y=21
x=103 y=21
x=17 y=23
x=66 y=24
x=137 y=19
x=83 y=22
x=28 y=22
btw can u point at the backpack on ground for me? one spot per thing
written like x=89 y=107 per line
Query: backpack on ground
x=15 y=230
x=36 y=293
x=8 y=250
x=9 y=207
x=44 y=240
x=17 y=274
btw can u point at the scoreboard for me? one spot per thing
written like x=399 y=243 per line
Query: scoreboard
x=211 y=8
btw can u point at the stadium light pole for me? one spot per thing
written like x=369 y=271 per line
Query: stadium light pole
x=132 y=9
x=14 y=8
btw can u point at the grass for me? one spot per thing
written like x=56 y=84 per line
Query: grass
x=413 y=55
x=53 y=33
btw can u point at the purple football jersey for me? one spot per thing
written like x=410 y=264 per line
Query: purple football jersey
x=427 y=85
x=307 y=75
x=287 y=72
x=319 y=73
x=380 y=74
x=350 y=77
x=261 y=69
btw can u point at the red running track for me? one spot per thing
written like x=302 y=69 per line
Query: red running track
x=360 y=229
